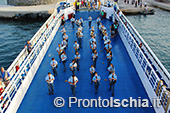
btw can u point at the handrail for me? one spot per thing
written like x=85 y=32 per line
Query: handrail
x=24 y=51
x=44 y=33
x=160 y=65
x=157 y=85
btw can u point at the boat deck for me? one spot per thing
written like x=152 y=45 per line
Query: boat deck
x=128 y=84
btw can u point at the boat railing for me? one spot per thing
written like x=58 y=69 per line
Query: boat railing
x=152 y=82
x=27 y=61
x=155 y=62
x=23 y=54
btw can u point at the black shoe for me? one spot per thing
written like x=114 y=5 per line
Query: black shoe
x=52 y=93
x=77 y=69
x=112 y=94
x=95 y=92
x=49 y=93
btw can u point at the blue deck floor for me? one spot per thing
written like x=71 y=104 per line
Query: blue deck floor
x=128 y=83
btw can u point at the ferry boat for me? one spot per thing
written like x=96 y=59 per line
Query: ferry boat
x=140 y=73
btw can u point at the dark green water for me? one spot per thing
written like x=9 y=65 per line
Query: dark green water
x=155 y=30
x=13 y=37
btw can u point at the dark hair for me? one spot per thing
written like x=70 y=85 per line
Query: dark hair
x=52 y=58
x=49 y=73
x=73 y=60
x=73 y=75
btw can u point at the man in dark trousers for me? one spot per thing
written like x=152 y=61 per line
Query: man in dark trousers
x=59 y=51
x=109 y=56
x=113 y=78
x=72 y=21
x=92 y=72
x=73 y=81
x=4 y=76
x=96 y=80
x=94 y=57
x=50 y=80
x=90 y=20
x=73 y=66
x=54 y=66
x=64 y=58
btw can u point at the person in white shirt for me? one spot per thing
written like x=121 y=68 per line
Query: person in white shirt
x=73 y=66
x=73 y=81
x=64 y=58
x=54 y=66
x=112 y=78
x=59 y=51
x=77 y=58
x=76 y=46
x=81 y=20
x=50 y=80
x=96 y=80
x=98 y=21
x=92 y=71
x=90 y=20
x=72 y=21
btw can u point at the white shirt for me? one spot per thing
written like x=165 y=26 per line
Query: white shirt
x=71 y=80
x=73 y=65
x=63 y=57
x=53 y=63
x=49 y=78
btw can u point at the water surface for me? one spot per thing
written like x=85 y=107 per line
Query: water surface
x=155 y=30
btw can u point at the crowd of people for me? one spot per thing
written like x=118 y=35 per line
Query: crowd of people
x=137 y=3
x=90 y=4
x=74 y=64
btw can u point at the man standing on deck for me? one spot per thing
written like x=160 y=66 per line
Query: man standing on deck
x=28 y=46
x=96 y=80
x=50 y=80
x=73 y=66
x=81 y=20
x=80 y=36
x=64 y=58
x=111 y=68
x=59 y=50
x=94 y=57
x=72 y=21
x=109 y=56
x=76 y=46
x=54 y=66
x=92 y=72
x=98 y=21
x=113 y=78
x=90 y=20
x=73 y=81
x=4 y=76
x=77 y=58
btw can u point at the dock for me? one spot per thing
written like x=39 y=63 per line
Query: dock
x=131 y=9
x=29 y=12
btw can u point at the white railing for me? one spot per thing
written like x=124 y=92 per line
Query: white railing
x=156 y=64
x=153 y=84
x=29 y=63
